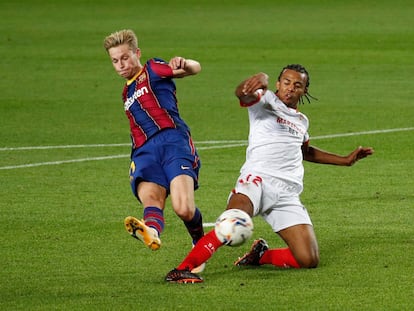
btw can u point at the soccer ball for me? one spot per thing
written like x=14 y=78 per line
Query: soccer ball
x=234 y=227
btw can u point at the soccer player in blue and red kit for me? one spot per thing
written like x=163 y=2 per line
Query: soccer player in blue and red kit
x=164 y=160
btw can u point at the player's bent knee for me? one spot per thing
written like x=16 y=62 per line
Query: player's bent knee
x=309 y=262
x=308 y=259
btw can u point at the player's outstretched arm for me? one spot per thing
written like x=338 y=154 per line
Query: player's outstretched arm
x=313 y=154
x=183 y=67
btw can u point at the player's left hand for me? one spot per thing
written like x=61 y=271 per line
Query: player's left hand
x=177 y=63
x=358 y=154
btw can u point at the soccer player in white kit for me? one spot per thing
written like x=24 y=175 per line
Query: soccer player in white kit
x=271 y=178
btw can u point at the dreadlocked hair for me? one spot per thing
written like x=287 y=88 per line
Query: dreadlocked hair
x=301 y=69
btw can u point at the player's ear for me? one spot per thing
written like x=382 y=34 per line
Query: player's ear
x=138 y=52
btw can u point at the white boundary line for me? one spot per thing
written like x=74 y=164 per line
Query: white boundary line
x=61 y=147
x=365 y=133
x=63 y=162
x=217 y=144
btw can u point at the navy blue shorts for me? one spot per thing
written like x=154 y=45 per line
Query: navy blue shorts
x=166 y=155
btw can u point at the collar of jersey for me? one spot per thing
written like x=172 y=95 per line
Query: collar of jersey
x=134 y=77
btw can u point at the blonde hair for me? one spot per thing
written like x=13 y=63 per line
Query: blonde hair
x=125 y=36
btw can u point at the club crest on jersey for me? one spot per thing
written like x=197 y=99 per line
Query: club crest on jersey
x=142 y=78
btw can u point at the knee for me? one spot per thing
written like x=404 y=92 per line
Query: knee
x=240 y=201
x=309 y=261
x=183 y=206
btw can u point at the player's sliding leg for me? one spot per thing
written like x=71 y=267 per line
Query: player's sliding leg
x=202 y=251
x=182 y=276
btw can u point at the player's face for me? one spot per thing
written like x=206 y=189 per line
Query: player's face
x=125 y=61
x=291 y=86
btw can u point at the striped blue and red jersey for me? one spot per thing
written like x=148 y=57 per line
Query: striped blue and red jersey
x=150 y=102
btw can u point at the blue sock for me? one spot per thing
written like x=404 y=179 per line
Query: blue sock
x=195 y=226
x=154 y=218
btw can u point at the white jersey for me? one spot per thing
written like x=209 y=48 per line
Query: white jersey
x=276 y=135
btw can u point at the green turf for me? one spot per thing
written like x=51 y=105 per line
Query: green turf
x=63 y=245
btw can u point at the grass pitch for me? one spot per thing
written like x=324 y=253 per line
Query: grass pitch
x=64 y=152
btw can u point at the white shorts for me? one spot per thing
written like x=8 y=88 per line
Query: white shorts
x=275 y=200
